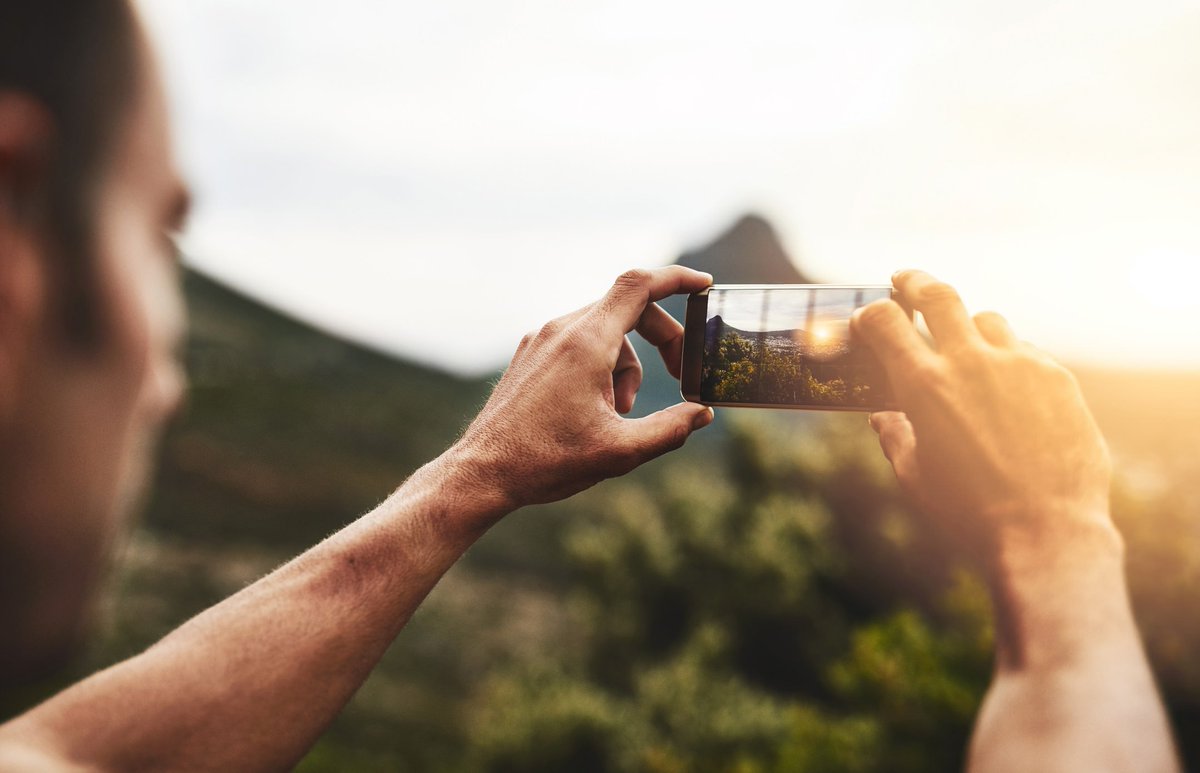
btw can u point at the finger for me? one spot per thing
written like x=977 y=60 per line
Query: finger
x=896 y=436
x=627 y=377
x=664 y=430
x=939 y=304
x=623 y=305
x=890 y=334
x=879 y=418
x=995 y=329
x=661 y=329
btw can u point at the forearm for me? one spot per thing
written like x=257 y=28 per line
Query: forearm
x=1072 y=688
x=250 y=683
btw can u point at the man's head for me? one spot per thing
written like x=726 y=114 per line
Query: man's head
x=90 y=312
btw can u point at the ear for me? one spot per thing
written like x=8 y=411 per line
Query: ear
x=26 y=135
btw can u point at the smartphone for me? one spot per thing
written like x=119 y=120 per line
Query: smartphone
x=781 y=346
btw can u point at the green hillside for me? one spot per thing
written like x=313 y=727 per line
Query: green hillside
x=290 y=432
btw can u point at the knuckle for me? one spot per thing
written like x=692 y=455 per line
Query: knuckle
x=574 y=341
x=638 y=449
x=971 y=353
x=927 y=372
x=635 y=280
x=549 y=330
x=676 y=438
x=1026 y=351
x=635 y=277
x=1037 y=366
x=937 y=294
x=877 y=314
x=641 y=447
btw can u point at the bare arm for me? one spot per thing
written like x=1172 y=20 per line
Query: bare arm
x=1072 y=689
x=252 y=682
x=996 y=445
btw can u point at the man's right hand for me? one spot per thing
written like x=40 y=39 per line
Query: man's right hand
x=553 y=425
x=994 y=440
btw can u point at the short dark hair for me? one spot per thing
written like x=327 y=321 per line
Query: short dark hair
x=78 y=59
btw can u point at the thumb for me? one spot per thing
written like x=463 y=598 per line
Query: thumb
x=896 y=437
x=666 y=430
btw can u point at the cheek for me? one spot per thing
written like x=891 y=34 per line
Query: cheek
x=128 y=348
x=146 y=322
x=141 y=382
x=160 y=322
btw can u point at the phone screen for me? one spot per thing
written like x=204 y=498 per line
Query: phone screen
x=787 y=346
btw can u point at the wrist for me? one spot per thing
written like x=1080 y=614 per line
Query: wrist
x=458 y=498
x=471 y=480
x=1057 y=539
x=1058 y=590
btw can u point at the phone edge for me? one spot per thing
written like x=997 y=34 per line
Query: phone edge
x=692 y=357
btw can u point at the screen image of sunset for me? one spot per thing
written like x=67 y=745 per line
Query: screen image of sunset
x=788 y=346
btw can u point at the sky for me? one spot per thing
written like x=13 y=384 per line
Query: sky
x=435 y=179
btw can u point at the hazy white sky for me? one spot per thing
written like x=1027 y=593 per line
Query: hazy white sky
x=437 y=178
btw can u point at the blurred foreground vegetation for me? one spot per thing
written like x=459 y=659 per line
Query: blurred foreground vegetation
x=760 y=601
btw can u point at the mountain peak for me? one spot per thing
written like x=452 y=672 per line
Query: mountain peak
x=748 y=252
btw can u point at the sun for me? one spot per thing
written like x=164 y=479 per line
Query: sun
x=821 y=334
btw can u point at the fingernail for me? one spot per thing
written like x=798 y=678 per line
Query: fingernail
x=710 y=276
x=702 y=419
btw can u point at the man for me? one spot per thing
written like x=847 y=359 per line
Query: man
x=90 y=316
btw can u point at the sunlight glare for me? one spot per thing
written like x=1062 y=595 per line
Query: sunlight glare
x=1165 y=279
